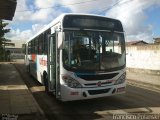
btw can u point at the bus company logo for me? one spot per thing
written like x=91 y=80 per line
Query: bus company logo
x=99 y=84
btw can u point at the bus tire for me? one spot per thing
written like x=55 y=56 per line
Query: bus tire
x=45 y=79
x=28 y=69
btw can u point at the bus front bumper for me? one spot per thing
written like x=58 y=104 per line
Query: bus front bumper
x=70 y=94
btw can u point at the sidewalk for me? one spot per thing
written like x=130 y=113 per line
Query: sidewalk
x=144 y=80
x=15 y=99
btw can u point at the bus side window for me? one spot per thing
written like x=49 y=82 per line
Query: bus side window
x=46 y=41
x=32 y=47
x=43 y=39
x=29 y=48
x=40 y=41
x=36 y=46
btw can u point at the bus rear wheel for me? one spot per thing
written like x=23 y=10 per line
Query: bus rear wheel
x=45 y=78
x=28 y=69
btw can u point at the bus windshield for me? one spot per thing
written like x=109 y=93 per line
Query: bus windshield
x=90 y=50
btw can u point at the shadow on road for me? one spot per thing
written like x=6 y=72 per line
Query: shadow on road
x=136 y=100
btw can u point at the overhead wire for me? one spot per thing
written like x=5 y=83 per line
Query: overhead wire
x=58 y=6
x=110 y=7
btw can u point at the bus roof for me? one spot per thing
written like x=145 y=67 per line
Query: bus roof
x=60 y=19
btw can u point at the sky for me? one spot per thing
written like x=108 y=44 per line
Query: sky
x=140 y=18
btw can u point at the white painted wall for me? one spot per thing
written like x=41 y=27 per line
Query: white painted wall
x=143 y=57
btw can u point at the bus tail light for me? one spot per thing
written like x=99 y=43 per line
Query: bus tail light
x=71 y=82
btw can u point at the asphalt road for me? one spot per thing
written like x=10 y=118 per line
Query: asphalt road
x=136 y=101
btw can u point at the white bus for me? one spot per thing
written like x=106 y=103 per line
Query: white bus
x=79 y=56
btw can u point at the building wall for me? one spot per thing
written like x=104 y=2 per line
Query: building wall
x=144 y=57
x=15 y=53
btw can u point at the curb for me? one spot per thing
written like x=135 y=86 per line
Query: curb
x=40 y=114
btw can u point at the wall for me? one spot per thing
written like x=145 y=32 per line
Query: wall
x=15 y=54
x=143 y=58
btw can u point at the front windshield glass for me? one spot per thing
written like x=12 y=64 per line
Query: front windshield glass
x=86 y=50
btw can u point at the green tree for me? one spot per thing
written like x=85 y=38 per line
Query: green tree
x=2 y=39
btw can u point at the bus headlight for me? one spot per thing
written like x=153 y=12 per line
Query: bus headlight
x=70 y=82
x=121 y=79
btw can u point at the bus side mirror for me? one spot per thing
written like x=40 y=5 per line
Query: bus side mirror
x=58 y=30
x=55 y=30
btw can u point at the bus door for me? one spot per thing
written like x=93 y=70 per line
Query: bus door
x=53 y=65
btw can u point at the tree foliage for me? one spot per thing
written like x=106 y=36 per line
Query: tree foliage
x=3 y=31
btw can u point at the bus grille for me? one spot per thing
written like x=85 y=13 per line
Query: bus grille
x=97 y=77
x=101 y=91
x=95 y=84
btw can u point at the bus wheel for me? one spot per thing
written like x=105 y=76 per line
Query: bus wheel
x=28 y=68
x=45 y=78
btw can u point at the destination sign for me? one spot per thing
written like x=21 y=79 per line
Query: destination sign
x=91 y=22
